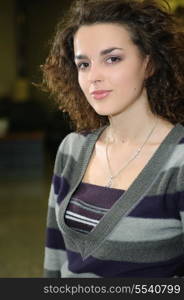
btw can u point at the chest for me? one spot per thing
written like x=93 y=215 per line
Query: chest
x=120 y=163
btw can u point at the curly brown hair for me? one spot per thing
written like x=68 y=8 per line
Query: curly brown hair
x=153 y=28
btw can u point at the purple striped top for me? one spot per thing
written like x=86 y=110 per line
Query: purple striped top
x=89 y=204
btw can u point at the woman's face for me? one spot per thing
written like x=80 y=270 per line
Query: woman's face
x=111 y=70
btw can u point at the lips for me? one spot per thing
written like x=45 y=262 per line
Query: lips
x=100 y=94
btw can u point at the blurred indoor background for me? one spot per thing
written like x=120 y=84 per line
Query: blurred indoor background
x=31 y=128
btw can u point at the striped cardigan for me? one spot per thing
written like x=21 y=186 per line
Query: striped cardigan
x=142 y=235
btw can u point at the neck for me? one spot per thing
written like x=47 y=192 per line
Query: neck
x=122 y=130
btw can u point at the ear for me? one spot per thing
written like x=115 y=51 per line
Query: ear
x=149 y=67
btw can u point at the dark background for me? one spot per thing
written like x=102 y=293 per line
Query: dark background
x=31 y=128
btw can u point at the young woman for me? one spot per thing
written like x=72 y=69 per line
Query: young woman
x=116 y=205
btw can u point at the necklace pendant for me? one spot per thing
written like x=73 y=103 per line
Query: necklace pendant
x=109 y=184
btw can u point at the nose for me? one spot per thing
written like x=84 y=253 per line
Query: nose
x=95 y=74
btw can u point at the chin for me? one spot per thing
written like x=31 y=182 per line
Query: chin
x=107 y=110
x=102 y=113
x=107 y=113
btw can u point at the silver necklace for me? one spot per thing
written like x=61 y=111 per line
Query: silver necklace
x=109 y=184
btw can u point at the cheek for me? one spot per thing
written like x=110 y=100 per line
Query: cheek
x=120 y=80
x=83 y=86
x=116 y=78
x=82 y=82
x=128 y=77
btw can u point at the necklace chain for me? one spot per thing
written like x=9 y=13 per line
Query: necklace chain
x=109 y=184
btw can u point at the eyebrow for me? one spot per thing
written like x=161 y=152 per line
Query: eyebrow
x=103 y=52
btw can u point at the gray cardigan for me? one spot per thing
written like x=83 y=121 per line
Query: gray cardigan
x=141 y=235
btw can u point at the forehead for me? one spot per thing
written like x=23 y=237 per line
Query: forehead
x=101 y=36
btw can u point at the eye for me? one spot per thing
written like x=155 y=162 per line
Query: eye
x=113 y=59
x=82 y=65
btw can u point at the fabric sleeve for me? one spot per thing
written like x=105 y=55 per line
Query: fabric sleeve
x=180 y=186
x=55 y=254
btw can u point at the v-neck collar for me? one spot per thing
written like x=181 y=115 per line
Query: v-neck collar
x=86 y=244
